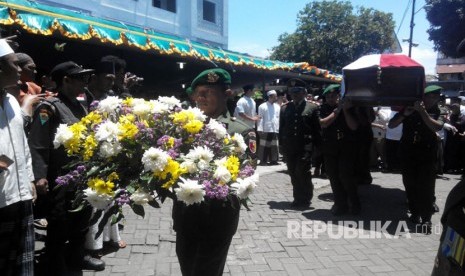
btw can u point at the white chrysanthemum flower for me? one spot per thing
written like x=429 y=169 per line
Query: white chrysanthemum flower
x=244 y=187
x=200 y=154
x=98 y=201
x=63 y=135
x=189 y=191
x=158 y=107
x=107 y=131
x=169 y=101
x=222 y=174
x=155 y=160
x=198 y=114
x=110 y=149
x=109 y=104
x=140 y=197
x=189 y=165
x=240 y=147
x=141 y=107
x=217 y=128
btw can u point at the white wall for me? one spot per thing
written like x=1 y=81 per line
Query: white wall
x=187 y=22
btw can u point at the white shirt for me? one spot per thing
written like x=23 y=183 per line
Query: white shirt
x=269 y=121
x=246 y=105
x=15 y=183
x=382 y=118
x=394 y=133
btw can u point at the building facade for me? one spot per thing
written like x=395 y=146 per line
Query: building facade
x=204 y=21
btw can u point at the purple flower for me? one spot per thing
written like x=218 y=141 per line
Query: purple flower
x=93 y=105
x=246 y=171
x=215 y=191
x=81 y=168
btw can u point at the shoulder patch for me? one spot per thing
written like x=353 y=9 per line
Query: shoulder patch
x=44 y=115
x=252 y=141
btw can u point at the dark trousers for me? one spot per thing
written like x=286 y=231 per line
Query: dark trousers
x=17 y=239
x=363 y=172
x=419 y=177
x=64 y=226
x=202 y=257
x=392 y=155
x=340 y=160
x=299 y=168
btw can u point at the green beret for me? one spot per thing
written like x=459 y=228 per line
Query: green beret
x=189 y=91
x=212 y=76
x=432 y=89
x=331 y=88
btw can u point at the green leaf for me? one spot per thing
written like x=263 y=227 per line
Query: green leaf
x=154 y=204
x=138 y=209
x=93 y=170
x=79 y=208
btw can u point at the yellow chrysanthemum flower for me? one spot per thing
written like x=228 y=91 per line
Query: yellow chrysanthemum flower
x=128 y=101
x=91 y=119
x=128 y=131
x=226 y=141
x=89 y=146
x=193 y=127
x=100 y=186
x=172 y=170
x=129 y=118
x=113 y=176
x=73 y=145
x=183 y=117
x=232 y=164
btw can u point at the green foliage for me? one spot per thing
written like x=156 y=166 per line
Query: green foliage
x=447 y=19
x=329 y=35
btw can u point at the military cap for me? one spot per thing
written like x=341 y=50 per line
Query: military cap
x=68 y=68
x=331 y=88
x=212 y=76
x=295 y=82
x=433 y=89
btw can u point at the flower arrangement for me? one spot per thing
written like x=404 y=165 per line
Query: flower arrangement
x=135 y=152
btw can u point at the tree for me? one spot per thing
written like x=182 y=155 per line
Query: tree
x=447 y=19
x=329 y=35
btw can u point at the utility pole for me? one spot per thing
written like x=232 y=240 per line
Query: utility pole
x=412 y=24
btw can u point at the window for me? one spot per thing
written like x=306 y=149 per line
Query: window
x=169 y=5
x=209 y=11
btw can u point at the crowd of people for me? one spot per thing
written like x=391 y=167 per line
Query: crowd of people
x=342 y=140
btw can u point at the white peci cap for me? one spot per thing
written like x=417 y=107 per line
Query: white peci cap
x=5 y=48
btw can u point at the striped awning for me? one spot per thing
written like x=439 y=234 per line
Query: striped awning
x=41 y=19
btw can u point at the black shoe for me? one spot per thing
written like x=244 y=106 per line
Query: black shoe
x=415 y=219
x=427 y=227
x=90 y=263
x=435 y=207
x=274 y=163
x=300 y=205
x=339 y=210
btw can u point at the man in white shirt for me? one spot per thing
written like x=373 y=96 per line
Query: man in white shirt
x=246 y=109
x=16 y=188
x=268 y=129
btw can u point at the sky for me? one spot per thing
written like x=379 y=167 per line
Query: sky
x=255 y=25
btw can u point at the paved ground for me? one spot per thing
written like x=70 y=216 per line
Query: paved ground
x=261 y=245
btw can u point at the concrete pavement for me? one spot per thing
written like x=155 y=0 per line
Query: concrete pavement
x=262 y=245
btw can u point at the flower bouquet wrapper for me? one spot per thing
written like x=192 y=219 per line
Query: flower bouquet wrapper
x=139 y=152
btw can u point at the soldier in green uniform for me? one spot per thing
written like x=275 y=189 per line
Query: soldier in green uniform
x=418 y=147
x=204 y=231
x=340 y=150
x=299 y=131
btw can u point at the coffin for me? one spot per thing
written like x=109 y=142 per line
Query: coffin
x=383 y=80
